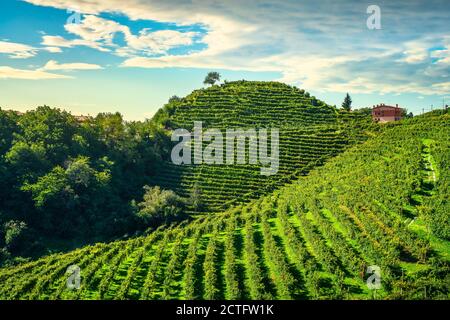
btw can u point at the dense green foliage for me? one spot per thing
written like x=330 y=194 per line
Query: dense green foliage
x=66 y=182
x=160 y=207
x=384 y=203
x=347 y=104
x=211 y=78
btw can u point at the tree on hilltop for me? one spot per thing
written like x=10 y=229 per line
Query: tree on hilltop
x=211 y=78
x=347 y=104
x=174 y=99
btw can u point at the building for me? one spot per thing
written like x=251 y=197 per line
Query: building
x=384 y=113
x=81 y=118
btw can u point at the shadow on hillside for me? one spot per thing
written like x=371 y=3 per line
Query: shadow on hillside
x=299 y=289
x=268 y=283
x=240 y=269
x=199 y=273
x=220 y=261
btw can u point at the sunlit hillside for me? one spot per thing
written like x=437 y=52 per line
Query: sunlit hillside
x=382 y=203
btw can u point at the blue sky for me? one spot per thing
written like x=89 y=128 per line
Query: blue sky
x=131 y=56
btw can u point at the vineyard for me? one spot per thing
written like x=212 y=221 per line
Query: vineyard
x=383 y=202
x=310 y=133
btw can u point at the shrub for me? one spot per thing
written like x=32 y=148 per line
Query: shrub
x=15 y=232
x=160 y=206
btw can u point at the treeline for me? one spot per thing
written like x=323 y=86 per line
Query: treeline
x=66 y=181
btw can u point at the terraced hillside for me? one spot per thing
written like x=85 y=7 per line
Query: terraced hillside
x=382 y=203
x=310 y=132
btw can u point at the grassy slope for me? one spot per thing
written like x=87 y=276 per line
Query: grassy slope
x=310 y=132
x=312 y=239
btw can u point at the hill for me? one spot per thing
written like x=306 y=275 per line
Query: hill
x=70 y=181
x=383 y=203
x=310 y=132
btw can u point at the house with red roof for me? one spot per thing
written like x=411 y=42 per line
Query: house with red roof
x=384 y=113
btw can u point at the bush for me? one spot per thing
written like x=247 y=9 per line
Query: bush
x=15 y=233
x=161 y=206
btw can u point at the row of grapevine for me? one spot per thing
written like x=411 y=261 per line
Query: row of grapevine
x=233 y=285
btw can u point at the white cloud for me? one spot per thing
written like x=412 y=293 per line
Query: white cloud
x=17 y=50
x=13 y=73
x=321 y=46
x=443 y=87
x=53 y=49
x=58 y=41
x=99 y=33
x=95 y=29
x=55 y=41
x=54 y=65
x=158 y=42
x=417 y=55
x=416 y=51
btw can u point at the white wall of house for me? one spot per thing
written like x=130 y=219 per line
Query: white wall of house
x=386 y=119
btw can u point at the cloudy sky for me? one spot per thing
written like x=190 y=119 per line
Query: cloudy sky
x=89 y=56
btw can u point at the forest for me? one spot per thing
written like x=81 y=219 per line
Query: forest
x=66 y=183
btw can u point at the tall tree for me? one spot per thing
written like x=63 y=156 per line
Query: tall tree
x=211 y=78
x=174 y=99
x=347 y=104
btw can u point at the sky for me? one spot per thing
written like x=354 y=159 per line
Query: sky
x=91 y=56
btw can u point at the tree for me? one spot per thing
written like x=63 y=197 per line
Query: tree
x=347 y=104
x=15 y=232
x=211 y=78
x=27 y=161
x=366 y=111
x=111 y=128
x=160 y=206
x=405 y=113
x=8 y=126
x=50 y=128
x=174 y=99
x=71 y=200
